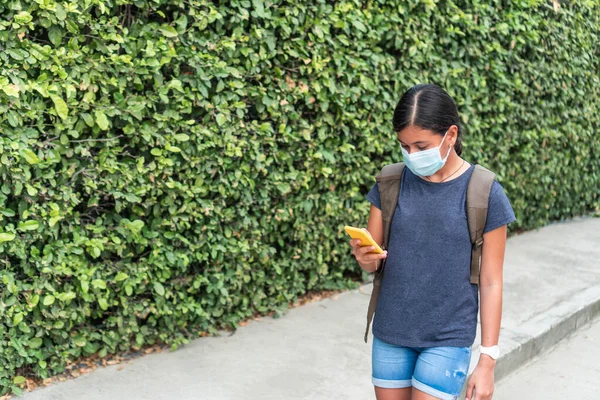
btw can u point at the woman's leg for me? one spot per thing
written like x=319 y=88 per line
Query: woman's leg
x=418 y=395
x=392 y=370
x=392 y=394
x=440 y=373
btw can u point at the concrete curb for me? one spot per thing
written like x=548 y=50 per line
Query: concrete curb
x=543 y=332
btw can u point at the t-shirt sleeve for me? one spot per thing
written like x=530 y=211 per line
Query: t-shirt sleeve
x=373 y=196
x=500 y=211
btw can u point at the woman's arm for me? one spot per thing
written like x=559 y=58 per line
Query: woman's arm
x=375 y=228
x=490 y=288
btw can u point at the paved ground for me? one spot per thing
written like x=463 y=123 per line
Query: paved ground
x=317 y=352
x=571 y=370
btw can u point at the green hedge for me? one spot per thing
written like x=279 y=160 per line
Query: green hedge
x=174 y=167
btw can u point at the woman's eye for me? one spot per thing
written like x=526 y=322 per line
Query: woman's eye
x=421 y=148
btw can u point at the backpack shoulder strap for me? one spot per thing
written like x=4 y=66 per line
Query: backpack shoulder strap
x=388 y=182
x=478 y=196
x=391 y=171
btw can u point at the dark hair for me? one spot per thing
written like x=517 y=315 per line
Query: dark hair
x=430 y=107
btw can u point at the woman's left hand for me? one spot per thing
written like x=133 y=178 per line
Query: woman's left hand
x=482 y=380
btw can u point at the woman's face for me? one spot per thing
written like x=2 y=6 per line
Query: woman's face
x=413 y=139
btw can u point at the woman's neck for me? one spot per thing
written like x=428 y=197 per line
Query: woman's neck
x=454 y=166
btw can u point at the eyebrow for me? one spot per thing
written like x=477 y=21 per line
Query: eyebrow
x=419 y=142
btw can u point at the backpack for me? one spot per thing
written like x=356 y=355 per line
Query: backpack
x=478 y=194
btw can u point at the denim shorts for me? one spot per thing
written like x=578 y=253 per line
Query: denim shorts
x=438 y=371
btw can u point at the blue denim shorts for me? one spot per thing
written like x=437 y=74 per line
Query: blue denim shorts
x=438 y=371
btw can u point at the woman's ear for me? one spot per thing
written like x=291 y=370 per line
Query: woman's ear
x=453 y=134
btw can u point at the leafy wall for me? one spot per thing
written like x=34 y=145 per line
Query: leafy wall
x=171 y=167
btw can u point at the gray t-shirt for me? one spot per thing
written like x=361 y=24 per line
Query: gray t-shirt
x=426 y=298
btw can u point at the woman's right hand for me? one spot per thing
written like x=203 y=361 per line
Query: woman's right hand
x=361 y=253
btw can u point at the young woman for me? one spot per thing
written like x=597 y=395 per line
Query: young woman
x=426 y=317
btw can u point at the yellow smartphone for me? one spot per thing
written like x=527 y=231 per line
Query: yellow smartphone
x=365 y=238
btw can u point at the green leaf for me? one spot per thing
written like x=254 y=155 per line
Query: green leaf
x=89 y=121
x=17 y=319
x=79 y=340
x=103 y=304
x=60 y=106
x=175 y=84
x=259 y=8
x=23 y=17
x=31 y=190
x=101 y=119
x=137 y=225
x=35 y=343
x=132 y=198
x=221 y=119
x=49 y=300
x=19 y=380
x=30 y=225
x=7 y=237
x=13 y=119
x=168 y=31
x=158 y=287
x=181 y=23
x=359 y=25
x=99 y=283
x=55 y=34
x=24 y=328
x=34 y=300
x=61 y=14
x=7 y=212
x=30 y=156
x=284 y=188
x=11 y=90
x=121 y=276
x=66 y=296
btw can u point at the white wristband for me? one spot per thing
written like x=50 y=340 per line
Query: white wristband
x=492 y=351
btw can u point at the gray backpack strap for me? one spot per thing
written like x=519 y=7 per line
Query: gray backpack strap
x=388 y=183
x=478 y=196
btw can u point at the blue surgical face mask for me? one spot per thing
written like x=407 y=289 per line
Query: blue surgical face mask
x=425 y=162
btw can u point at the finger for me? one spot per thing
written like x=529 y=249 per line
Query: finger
x=469 y=392
x=354 y=242
x=366 y=249
x=372 y=257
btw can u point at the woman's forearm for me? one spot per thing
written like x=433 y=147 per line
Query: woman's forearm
x=491 y=315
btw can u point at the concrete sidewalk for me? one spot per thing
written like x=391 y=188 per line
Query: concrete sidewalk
x=570 y=370
x=552 y=286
